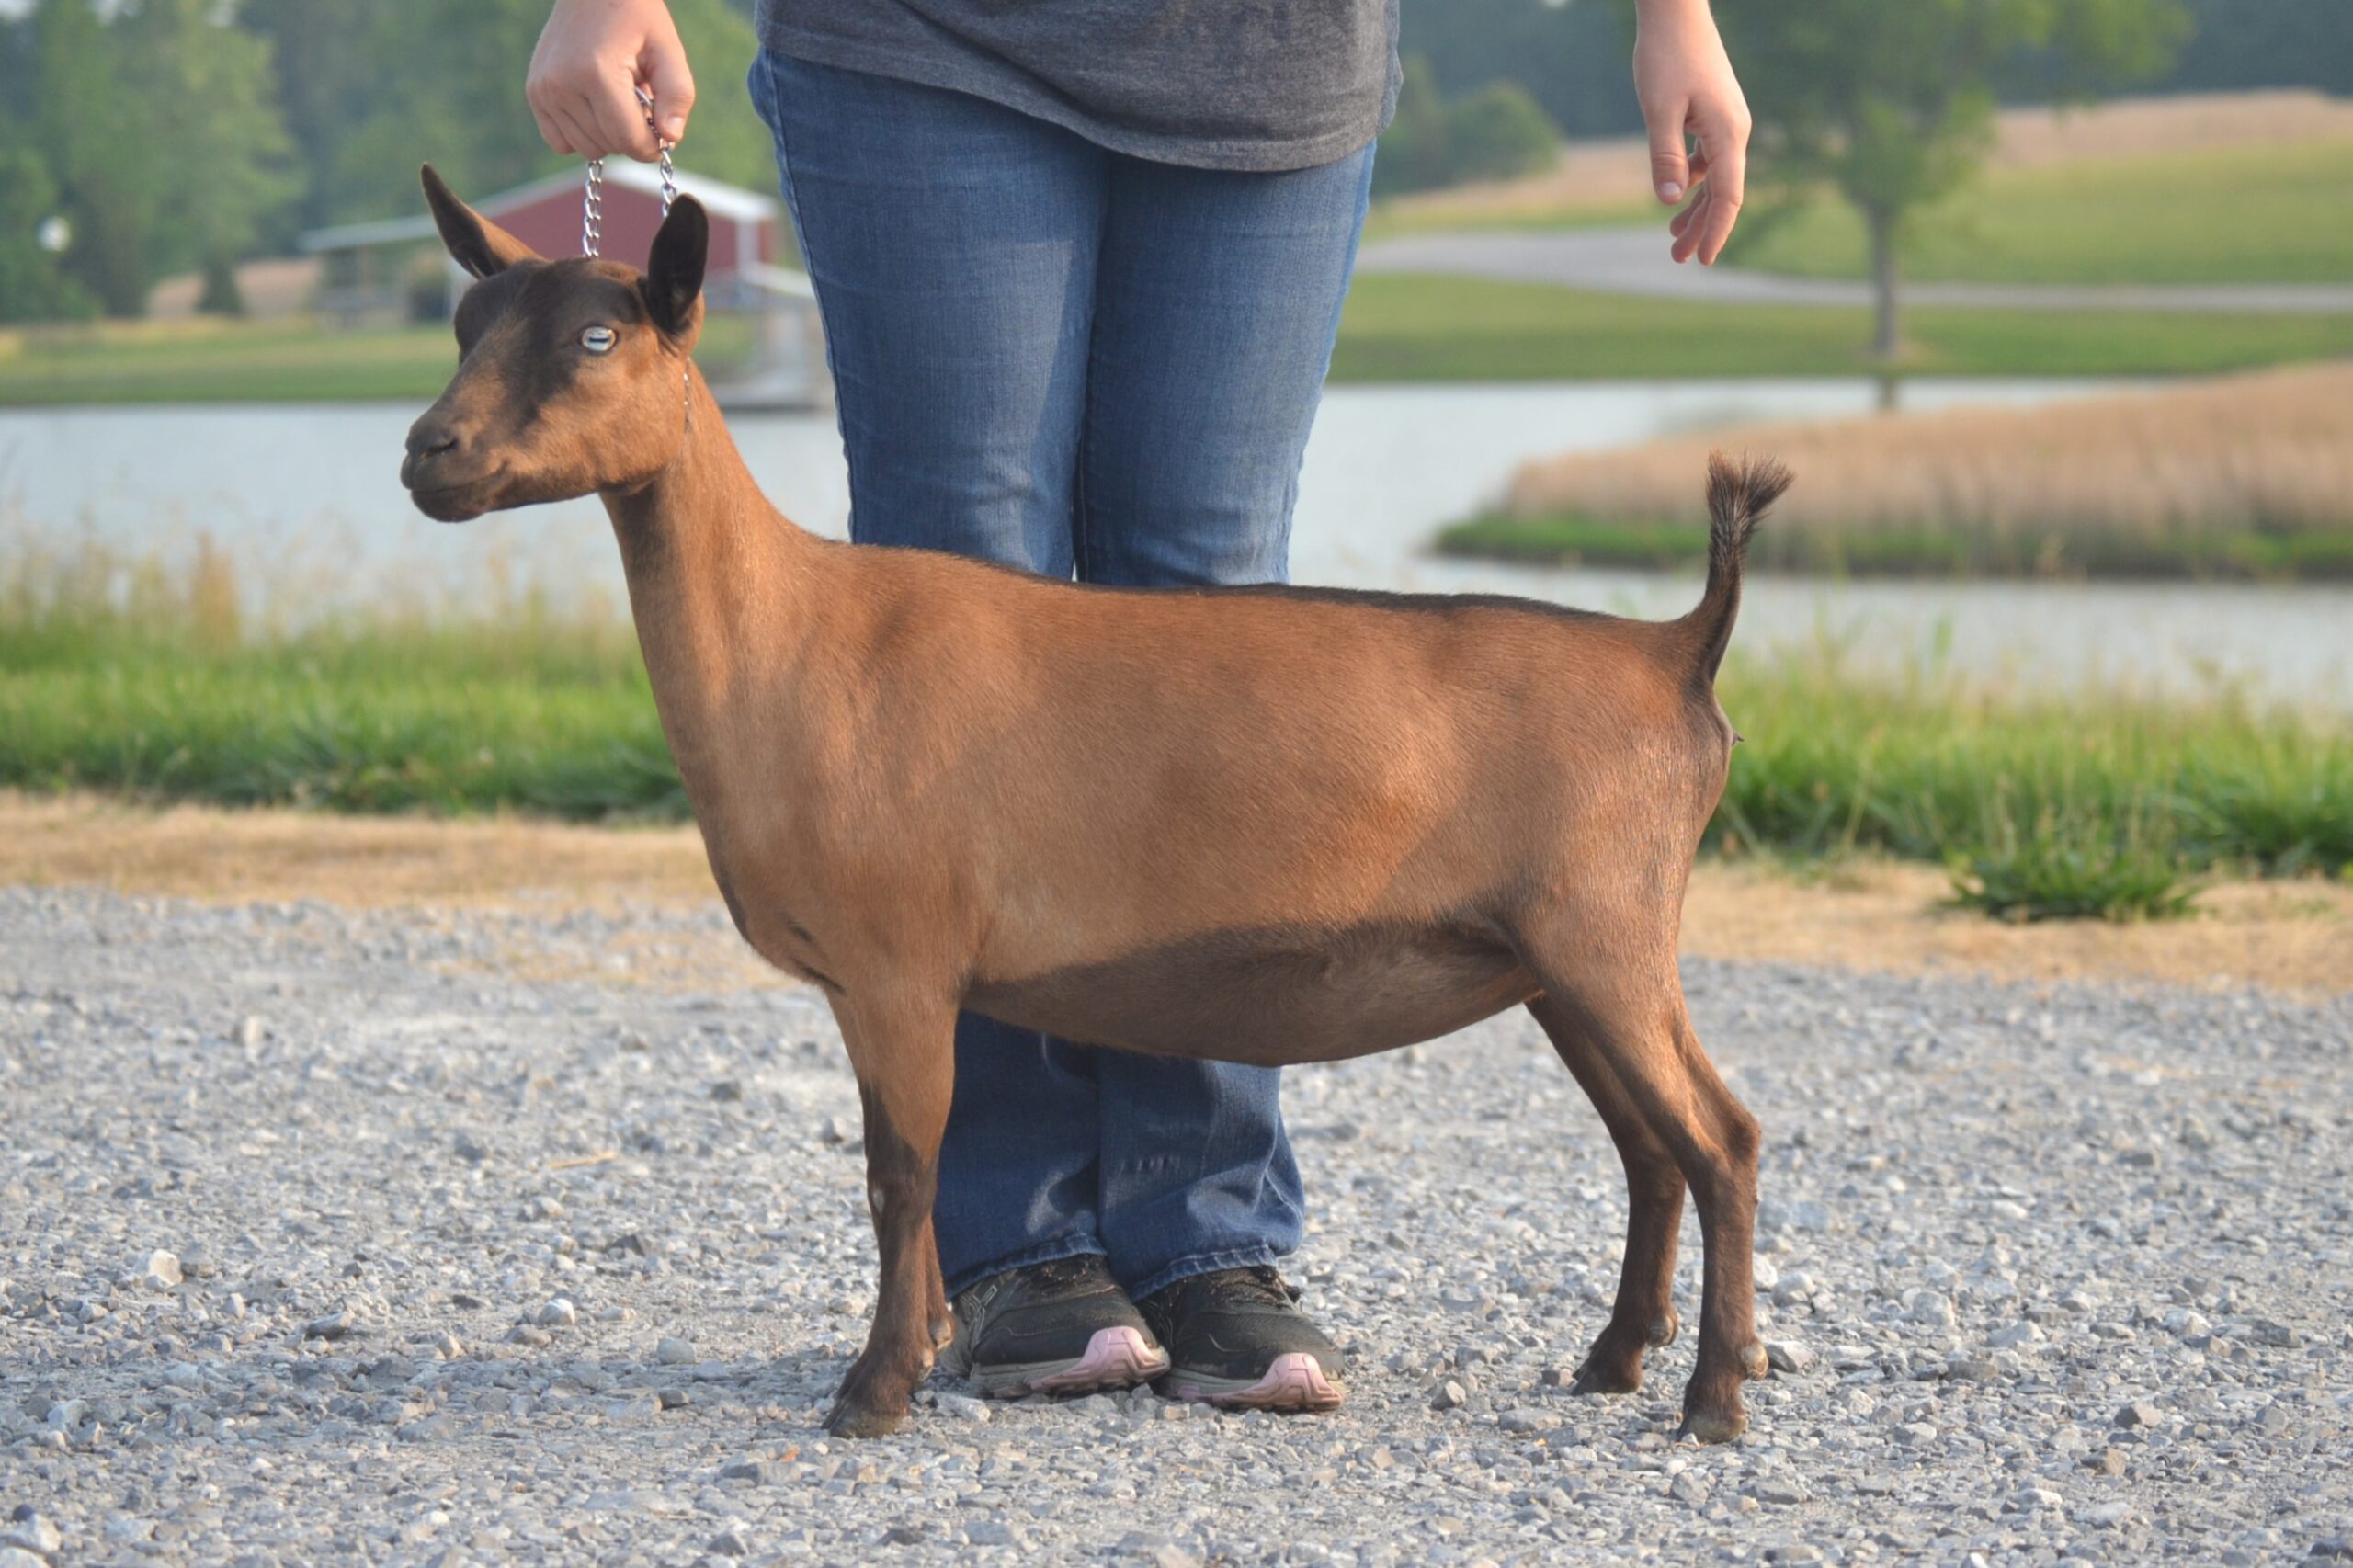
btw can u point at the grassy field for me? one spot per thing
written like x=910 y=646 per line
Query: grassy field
x=1396 y=328
x=2248 y=476
x=214 y=361
x=1399 y=327
x=147 y=686
x=2250 y=187
x=2229 y=215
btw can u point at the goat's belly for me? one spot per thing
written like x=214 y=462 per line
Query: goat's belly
x=1270 y=998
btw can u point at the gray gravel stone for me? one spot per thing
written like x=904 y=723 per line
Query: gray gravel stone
x=158 y=1271
x=34 y=1532
x=438 y=1133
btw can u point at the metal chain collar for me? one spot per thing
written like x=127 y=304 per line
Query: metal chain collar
x=592 y=205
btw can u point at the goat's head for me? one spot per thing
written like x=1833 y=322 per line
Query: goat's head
x=571 y=375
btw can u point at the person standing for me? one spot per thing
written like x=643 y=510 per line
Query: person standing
x=1080 y=266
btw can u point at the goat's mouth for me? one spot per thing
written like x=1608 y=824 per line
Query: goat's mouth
x=455 y=501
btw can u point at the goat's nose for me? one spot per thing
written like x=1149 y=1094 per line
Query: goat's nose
x=430 y=440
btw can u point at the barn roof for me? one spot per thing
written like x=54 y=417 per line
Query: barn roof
x=719 y=199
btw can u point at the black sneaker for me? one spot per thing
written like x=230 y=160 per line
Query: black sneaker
x=1059 y=1328
x=1237 y=1338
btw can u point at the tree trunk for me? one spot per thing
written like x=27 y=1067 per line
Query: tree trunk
x=1887 y=338
x=221 y=295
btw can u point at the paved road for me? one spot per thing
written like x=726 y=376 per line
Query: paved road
x=531 y=1238
x=1634 y=261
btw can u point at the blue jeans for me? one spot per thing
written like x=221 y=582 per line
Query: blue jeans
x=1059 y=357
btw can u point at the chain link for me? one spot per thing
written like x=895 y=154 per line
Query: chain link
x=592 y=201
x=592 y=209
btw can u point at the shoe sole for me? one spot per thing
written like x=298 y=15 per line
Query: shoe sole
x=1294 y=1382
x=1116 y=1357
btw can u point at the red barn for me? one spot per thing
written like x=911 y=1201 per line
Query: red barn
x=545 y=215
x=384 y=273
x=365 y=277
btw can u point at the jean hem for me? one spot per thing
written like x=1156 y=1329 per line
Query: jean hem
x=1082 y=1244
x=1184 y=1268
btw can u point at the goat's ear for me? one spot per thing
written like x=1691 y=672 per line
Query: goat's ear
x=674 y=272
x=479 y=246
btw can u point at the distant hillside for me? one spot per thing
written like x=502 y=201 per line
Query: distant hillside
x=1572 y=55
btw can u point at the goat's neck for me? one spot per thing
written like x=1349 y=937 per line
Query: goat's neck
x=718 y=584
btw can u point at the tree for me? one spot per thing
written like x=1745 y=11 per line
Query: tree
x=1570 y=55
x=32 y=287
x=1498 y=132
x=221 y=162
x=445 y=86
x=1412 y=155
x=155 y=122
x=1892 y=103
x=2266 y=43
x=1494 y=133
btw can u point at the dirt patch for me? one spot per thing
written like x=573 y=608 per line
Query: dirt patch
x=2292 y=935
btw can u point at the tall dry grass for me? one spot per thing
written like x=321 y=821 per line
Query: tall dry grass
x=2246 y=468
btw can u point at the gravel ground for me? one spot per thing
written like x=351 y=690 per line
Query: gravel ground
x=421 y=1237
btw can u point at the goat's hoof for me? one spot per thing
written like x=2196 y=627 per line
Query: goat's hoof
x=856 y=1420
x=1608 y=1370
x=1714 y=1425
x=1754 y=1363
x=1664 y=1328
x=1594 y=1380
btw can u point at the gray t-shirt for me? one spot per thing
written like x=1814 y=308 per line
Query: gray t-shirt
x=1216 y=83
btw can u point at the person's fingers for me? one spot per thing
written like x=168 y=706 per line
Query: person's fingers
x=1696 y=218
x=620 y=122
x=1728 y=179
x=581 y=133
x=1694 y=212
x=550 y=131
x=672 y=85
x=1670 y=168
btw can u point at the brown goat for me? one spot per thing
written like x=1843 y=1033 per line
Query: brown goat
x=1263 y=825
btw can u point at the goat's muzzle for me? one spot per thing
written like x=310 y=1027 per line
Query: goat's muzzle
x=436 y=472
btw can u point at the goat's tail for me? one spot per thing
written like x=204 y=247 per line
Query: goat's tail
x=1738 y=496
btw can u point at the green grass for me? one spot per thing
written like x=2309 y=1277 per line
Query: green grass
x=154 y=690
x=234 y=362
x=1396 y=328
x=1388 y=221
x=2098 y=807
x=2278 y=214
x=2027 y=800
x=2072 y=866
x=2228 y=552
x=1403 y=327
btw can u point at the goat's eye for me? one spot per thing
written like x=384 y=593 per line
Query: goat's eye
x=598 y=339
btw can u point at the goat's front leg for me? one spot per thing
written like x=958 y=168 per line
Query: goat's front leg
x=1642 y=1318
x=906 y=1063
x=1634 y=1018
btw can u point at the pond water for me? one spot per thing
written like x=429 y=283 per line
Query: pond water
x=306 y=502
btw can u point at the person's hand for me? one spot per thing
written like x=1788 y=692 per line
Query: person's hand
x=1687 y=85
x=585 y=71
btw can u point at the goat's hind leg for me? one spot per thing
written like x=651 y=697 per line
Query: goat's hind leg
x=1643 y=1315
x=905 y=1065
x=1630 y=1012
